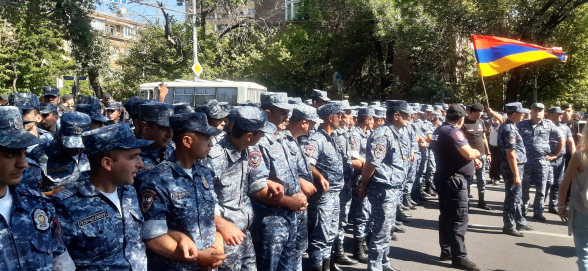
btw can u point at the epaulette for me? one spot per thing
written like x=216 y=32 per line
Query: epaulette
x=159 y=168
x=66 y=193
x=30 y=192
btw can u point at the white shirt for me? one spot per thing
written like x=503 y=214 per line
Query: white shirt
x=493 y=135
x=6 y=205
x=113 y=197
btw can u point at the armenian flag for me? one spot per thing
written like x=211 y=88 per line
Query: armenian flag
x=496 y=55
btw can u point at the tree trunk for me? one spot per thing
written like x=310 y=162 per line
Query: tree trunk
x=15 y=77
x=512 y=87
x=93 y=77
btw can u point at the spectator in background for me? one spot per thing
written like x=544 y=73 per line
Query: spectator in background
x=494 y=154
x=66 y=104
x=106 y=97
x=3 y=99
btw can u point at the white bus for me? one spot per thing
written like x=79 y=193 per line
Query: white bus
x=196 y=93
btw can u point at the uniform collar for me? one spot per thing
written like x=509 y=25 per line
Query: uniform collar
x=230 y=150
x=17 y=201
x=86 y=188
x=175 y=165
x=393 y=128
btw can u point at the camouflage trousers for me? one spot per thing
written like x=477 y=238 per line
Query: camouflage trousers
x=360 y=211
x=431 y=166
x=323 y=225
x=240 y=257
x=412 y=174
x=480 y=175
x=537 y=173
x=345 y=205
x=301 y=238
x=421 y=168
x=384 y=202
x=558 y=169
x=512 y=214
x=274 y=232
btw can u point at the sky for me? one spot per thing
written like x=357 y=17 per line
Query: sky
x=138 y=10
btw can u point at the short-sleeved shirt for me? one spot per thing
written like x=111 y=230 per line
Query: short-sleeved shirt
x=302 y=161
x=236 y=175
x=474 y=132
x=509 y=138
x=31 y=240
x=384 y=152
x=281 y=162
x=325 y=156
x=94 y=232
x=341 y=137
x=447 y=139
x=566 y=134
x=536 y=137
x=170 y=199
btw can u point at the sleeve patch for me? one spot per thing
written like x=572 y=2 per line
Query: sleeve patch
x=512 y=139
x=379 y=151
x=459 y=135
x=255 y=159
x=310 y=150
x=147 y=198
x=41 y=220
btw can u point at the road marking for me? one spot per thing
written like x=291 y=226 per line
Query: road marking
x=525 y=232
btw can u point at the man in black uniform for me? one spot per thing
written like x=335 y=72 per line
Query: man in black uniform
x=474 y=130
x=453 y=156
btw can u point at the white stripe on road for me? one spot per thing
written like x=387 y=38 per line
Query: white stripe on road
x=525 y=232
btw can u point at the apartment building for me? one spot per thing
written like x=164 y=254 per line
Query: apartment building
x=119 y=30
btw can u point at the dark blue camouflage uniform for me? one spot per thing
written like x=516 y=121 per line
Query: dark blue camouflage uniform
x=536 y=138
x=557 y=165
x=509 y=138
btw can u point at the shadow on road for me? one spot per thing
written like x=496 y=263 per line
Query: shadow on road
x=403 y=254
x=562 y=251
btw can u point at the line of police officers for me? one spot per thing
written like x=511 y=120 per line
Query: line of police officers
x=247 y=188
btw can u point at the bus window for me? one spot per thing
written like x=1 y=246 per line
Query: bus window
x=203 y=95
x=227 y=95
x=184 y=95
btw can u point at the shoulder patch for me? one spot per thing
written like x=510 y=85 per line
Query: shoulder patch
x=459 y=135
x=65 y=193
x=147 y=198
x=310 y=150
x=512 y=139
x=146 y=168
x=41 y=220
x=215 y=152
x=254 y=159
x=379 y=151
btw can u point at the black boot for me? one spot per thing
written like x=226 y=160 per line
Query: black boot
x=320 y=268
x=402 y=212
x=424 y=191
x=407 y=203
x=403 y=207
x=334 y=265
x=359 y=252
x=341 y=258
x=481 y=203
x=465 y=264
x=412 y=201
x=430 y=190
x=327 y=265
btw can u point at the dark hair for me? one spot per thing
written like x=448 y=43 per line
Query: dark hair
x=27 y=111
x=237 y=132
x=294 y=121
x=96 y=160
x=390 y=112
x=361 y=119
x=54 y=113
x=452 y=119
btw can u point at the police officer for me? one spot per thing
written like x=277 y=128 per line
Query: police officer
x=135 y=114
x=406 y=139
x=274 y=229
x=28 y=225
x=93 y=110
x=418 y=144
x=341 y=137
x=558 y=165
x=537 y=133
x=327 y=170
x=3 y=99
x=319 y=98
x=240 y=173
x=178 y=195
x=50 y=95
x=154 y=125
x=303 y=119
x=113 y=111
x=360 y=207
x=29 y=104
x=382 y=178
x=99 y=215
x=87 y=99
x=474 y=130
x=216 y=115
x=423 y=170
x=454 y=156
x=512 y=162
x=49 y=118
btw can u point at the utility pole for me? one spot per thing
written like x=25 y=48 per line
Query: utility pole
x=194 y=37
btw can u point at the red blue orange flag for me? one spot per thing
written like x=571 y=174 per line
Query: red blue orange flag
x=496 y=55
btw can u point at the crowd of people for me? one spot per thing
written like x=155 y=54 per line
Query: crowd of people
x=102 y=185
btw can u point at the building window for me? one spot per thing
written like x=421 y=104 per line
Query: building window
x=241 y=13
x=129 y=32
x=251 y=11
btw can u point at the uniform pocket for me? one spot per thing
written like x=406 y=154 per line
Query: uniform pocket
x=96 y=241
x=42 y=248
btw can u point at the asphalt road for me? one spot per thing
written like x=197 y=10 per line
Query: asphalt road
x=548 y=247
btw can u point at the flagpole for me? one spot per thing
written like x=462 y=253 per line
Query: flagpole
x=485 y=93
x=481 y=77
